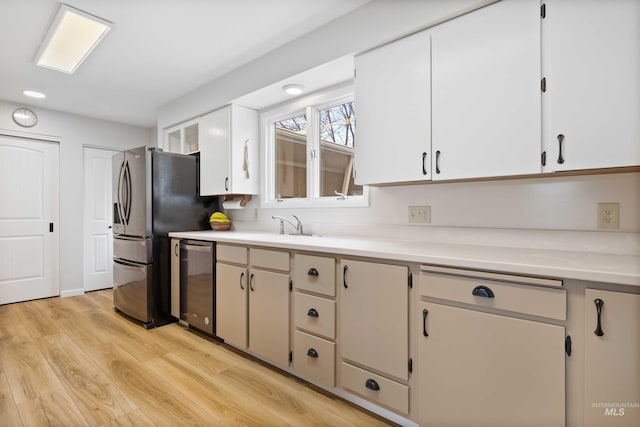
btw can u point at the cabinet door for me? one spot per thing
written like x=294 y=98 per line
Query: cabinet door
x=244 y=151
x=269 y=315
x=175 y=278
x=182 y=139
x=612 y=360
x=591 y=59
x=214 y=137
x=392 y=94
x=480 y=369
x=374 y=324
x=231 y=304
x=486 y=92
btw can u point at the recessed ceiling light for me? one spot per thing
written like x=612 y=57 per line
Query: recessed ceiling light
x=293 y=89
x=34 y=94
x=73 y=34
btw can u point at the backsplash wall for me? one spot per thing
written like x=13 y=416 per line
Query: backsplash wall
x=561 y=204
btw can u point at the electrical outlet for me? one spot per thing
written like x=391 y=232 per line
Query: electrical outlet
x=609 y=215
x=419 y=214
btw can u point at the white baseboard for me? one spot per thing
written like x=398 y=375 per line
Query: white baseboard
x=72 y=293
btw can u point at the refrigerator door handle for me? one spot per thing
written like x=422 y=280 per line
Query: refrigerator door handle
x=128 y=263
x=119 y=195
x=127 y=191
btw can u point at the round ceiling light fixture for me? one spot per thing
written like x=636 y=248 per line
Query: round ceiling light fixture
x=34 y=94
x=293 y=89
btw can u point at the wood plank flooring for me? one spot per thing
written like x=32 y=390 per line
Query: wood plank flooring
x=74 y=362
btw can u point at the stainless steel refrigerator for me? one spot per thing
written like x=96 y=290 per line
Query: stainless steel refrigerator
x=153 y=193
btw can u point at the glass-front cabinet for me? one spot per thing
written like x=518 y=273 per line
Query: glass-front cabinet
x=182 y=138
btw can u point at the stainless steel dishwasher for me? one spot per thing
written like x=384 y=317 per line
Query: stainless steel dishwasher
x=197 y=285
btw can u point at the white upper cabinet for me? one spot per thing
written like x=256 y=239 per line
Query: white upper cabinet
x=486 y=97
x=392 y=95
x=229 y=151
x=183 y=138
x=591 y=61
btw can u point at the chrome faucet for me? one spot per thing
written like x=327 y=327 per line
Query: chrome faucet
x=297 y=226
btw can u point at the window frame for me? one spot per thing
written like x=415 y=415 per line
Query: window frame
x=310 y=105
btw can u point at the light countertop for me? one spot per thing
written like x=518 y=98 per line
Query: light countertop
x=596 y=267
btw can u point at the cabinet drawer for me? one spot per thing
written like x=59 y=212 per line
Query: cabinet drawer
x=235 y=254
x=315 y=314
x=276 y=260
x=389 y=393
x=534 y=300
x=315 y=274
x=315 y=358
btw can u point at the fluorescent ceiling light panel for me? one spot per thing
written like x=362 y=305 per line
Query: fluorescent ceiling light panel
x=71 y=38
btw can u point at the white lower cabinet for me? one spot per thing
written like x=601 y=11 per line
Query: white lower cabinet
x=231 y=304
x=487 y=348
x=376 y=388
x=269 y=315
x=314 y=317
x=485 y=369
x=252 y=304
x=612 y=359
x=374 y=311
x=374 y=332
x=314 y=357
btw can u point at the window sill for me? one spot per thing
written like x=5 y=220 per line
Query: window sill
x=327 y=202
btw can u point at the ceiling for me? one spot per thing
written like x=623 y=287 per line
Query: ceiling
x=156 y=51
x=331 y=73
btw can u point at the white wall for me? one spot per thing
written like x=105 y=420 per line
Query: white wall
x=546 y=212
x=73 y=132
x=375 y=23
x=560 y=210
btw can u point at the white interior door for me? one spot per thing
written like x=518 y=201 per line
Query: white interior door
x=29 y=219
x=98 y=219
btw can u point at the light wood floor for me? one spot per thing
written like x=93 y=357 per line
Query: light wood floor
x=74 y=362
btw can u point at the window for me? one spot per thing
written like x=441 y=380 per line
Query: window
x=310 y=154
x=337 y=137
x=291 y=157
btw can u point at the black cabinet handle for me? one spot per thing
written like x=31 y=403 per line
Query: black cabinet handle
x=312 y=353
x=599 y=303
x=176 y=250
x=371 y=384
x=313 y=313
x=251 y=282
x=313 y=272
x=425 y=312
x=438 y=161
x=241 y=277
x=482 y=291
x=424 y=168
x=226 y=184
x=344 y=277
x=560 y=140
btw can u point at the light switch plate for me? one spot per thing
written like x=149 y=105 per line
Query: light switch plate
x=609 y=215
x=419 y=214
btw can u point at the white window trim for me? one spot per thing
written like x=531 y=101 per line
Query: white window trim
x=310 y=105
